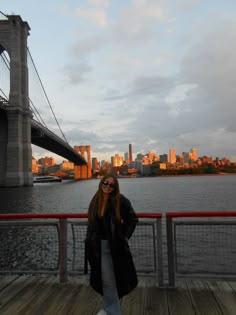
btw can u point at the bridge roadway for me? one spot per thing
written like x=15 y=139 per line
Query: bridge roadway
x=37 y=295
x=46 y=139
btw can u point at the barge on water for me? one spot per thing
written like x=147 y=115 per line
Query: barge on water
x=46 y=179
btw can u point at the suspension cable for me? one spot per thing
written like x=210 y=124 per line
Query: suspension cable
x=5 y=60
x=4 y=14
x=3 y=94
x=36 y=113
x=32 y=107
x=46 y=96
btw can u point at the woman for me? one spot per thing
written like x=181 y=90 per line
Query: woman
x=111 y=222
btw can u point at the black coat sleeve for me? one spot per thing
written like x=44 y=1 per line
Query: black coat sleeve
x=128 y=217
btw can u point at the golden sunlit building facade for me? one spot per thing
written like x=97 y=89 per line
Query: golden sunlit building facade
x=66 y=165
x=172 y=156
x=117 y=160
x=47 y=161
x=35 y=167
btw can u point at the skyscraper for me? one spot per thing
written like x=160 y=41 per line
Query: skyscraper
x=172 y=156
x=193 y=154
x=130 y=153
x=116 y=160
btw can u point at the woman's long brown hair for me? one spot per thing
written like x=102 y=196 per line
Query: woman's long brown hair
x=97 y=200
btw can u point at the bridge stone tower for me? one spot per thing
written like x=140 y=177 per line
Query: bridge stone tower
x=15 y=139
x=83 y=171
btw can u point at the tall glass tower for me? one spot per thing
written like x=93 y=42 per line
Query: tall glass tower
x=130 y=153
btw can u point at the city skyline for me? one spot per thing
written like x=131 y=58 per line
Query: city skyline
x=157 y=74
x=172 y=153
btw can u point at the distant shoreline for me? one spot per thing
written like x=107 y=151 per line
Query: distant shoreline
x=166 y=175
x=169 y=175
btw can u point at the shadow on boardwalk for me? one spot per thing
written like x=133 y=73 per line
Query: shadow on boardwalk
x=34 y=295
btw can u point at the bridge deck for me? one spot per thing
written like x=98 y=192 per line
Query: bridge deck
x=31 y=295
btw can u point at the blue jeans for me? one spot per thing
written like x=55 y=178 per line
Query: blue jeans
x=111 y=302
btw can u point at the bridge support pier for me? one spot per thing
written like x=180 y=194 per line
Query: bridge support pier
x=18 y=155
x=19 y=152
x=83 y=171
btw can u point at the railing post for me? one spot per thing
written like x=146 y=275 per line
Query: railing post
x=63 y=249
x=170 y=249
x=159 y=251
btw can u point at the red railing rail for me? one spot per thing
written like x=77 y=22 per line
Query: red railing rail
x=43 y=216
x=200 y=214
x=151 y=215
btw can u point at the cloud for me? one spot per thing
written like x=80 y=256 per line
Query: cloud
x=211 y=66
x=156 y=9
x=138 y=22
x=153 y=85
x=85 y=46
x=75 y=73
x=95 y=12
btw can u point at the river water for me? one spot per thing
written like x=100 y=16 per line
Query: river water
x=149 y=194
x=161 y=194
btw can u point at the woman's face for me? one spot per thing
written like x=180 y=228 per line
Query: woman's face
x=108 y=185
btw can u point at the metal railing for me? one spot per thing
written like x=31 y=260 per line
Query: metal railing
x=53 y=243
x=197 y=245
x=201 y=245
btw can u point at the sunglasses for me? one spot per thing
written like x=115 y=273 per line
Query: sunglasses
x=108 y=184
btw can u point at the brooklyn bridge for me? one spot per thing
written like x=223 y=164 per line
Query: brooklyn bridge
x=21 y=124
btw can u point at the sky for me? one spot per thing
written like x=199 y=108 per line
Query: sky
x=158 y=74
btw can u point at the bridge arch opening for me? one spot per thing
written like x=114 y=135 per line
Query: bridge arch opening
x=3 y=144
x=4 y=73
x=85 y=155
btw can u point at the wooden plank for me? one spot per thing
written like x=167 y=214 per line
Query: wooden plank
x=203 y=300
x=57 y=298
x=10 y=292
x=71 y=297
x=6 y=280
x=156 y=301
x=29 y=298
x=134 y=302
x=179 y=300
x=88 y=302
x=233 y=285
x=225 y=296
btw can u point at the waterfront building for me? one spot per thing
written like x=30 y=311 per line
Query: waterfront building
x=163 y=158
x=95 y=164
x=172 y=156
x=116 y=160
x=139 y=156
x=193 y=154
x=132 y=164
x=186 y=157
x=162 y=166
x=152 y=157
x=148 y=158
x=126 y=157
x=143 y=169
x=52 y=169
x=130 y=153
x=66 y=165
x=47 y=161
x=35 y=167
x=206 y=159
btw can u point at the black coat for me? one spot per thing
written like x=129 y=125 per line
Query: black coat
x=119 y=233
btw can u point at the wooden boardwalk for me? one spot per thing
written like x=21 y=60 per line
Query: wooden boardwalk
x=37 y=295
